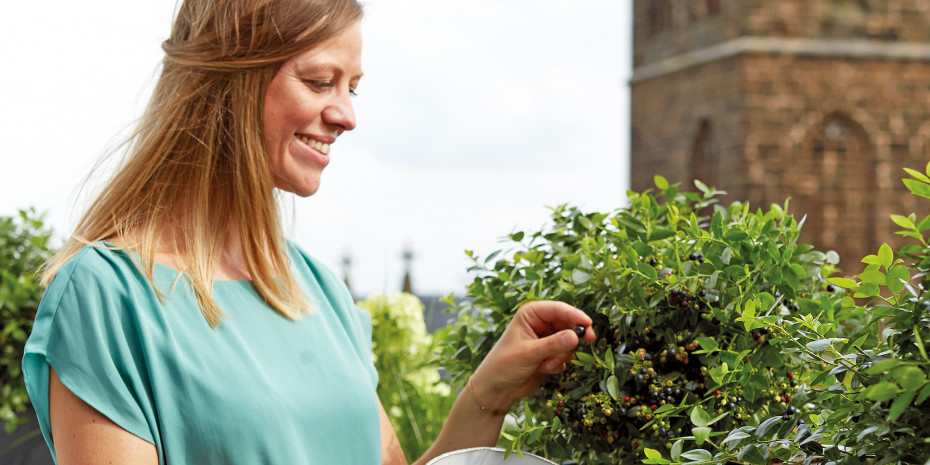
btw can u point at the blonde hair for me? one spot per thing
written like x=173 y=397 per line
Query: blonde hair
x=197 y=163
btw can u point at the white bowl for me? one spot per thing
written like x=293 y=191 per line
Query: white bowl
x=487 y=456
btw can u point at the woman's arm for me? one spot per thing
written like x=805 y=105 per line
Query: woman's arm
x=391 y=453
x=82 y=435
x=538 y=342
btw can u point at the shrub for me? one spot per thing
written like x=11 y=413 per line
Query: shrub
x=684 y=305
x=414 y=397
x=24 y=248
x=867 y=396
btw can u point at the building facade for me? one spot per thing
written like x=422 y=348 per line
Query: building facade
x=822 y=101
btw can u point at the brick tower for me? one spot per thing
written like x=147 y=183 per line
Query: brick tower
x=822 y=101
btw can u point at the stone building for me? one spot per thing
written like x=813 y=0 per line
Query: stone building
x=822 y=101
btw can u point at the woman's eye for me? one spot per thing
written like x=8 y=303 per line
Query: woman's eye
x=353 y=93
x=320 y=84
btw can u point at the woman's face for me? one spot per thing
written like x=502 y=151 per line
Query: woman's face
x=307 y=106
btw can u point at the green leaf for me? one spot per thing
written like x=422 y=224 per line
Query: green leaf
x=676 y=450
x=726 y=255
x=700 y=434
x=735 y=271
x=924 y=393
x=735 y=235
x=900 y=405
x=873 y=277
x=647 y=271
x=697 y=455
x=882 y=392
x=708 y=344
x=886 y=255
x=584 y=358
x=660 y=182
x=699 y=417
x=883 y=366
x=613 y=387
x=867 y=290
x=917 y=188
x=752 y=454
x=843 y=282
x=909 y=377
x=658 y=234
x=580 y=277
x=822 y=344
x=716 y=225
x=652 y=453
x=917 y=174
x=766 y=426
x=903 y=221
x=896 y=278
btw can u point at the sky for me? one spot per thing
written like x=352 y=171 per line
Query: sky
x=474 y=117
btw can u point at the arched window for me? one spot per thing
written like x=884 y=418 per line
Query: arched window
x=704 y=156
x=833 y=182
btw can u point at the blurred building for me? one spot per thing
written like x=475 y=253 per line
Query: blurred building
x=823 y=101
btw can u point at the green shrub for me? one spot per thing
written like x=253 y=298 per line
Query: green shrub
x=867 y=398
x=416 y=400
x=684 y=308
x=24 y=248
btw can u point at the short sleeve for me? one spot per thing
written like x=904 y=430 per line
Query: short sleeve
x=85 y=333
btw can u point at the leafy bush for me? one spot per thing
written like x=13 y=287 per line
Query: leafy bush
x=867 y=397
x=414 y=397
x=24 y=248
x=683 y=307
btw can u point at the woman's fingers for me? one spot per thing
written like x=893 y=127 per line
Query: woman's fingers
x=545 y=317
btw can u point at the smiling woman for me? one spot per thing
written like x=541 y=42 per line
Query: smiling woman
x=307 y=106
x=180 y=325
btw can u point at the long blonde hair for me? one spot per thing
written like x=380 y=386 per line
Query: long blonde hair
x=197 y=163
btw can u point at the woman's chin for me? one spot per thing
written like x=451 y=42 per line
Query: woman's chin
x=300 y=190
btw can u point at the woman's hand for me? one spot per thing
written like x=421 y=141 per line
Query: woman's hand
x=537 y=342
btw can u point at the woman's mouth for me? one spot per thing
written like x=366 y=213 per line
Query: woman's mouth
x=315 y=144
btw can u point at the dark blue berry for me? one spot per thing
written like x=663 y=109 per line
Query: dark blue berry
x=579 y=330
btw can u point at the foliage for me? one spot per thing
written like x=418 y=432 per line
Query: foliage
x=868 y=396
x=684 y=294
x=24 y=248
x=414 y=397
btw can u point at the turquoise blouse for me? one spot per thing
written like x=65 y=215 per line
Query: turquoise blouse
x=259 y=389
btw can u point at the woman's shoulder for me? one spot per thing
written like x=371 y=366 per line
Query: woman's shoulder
x=97 y=261
x=313 y=269
x=305 y=260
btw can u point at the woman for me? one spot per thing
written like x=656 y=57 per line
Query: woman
x=180 y=327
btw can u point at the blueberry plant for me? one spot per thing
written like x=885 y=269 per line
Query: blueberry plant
x=24 y=247
x=684 y=294
x=866 y=397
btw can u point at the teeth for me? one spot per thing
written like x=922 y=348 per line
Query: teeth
x=324 y=148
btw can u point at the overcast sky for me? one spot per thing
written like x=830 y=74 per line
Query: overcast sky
x=473 y=117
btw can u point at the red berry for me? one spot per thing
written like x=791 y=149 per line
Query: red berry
x=717 y=392
x=790 y=374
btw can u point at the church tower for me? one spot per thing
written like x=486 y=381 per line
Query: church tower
x=822 y=101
